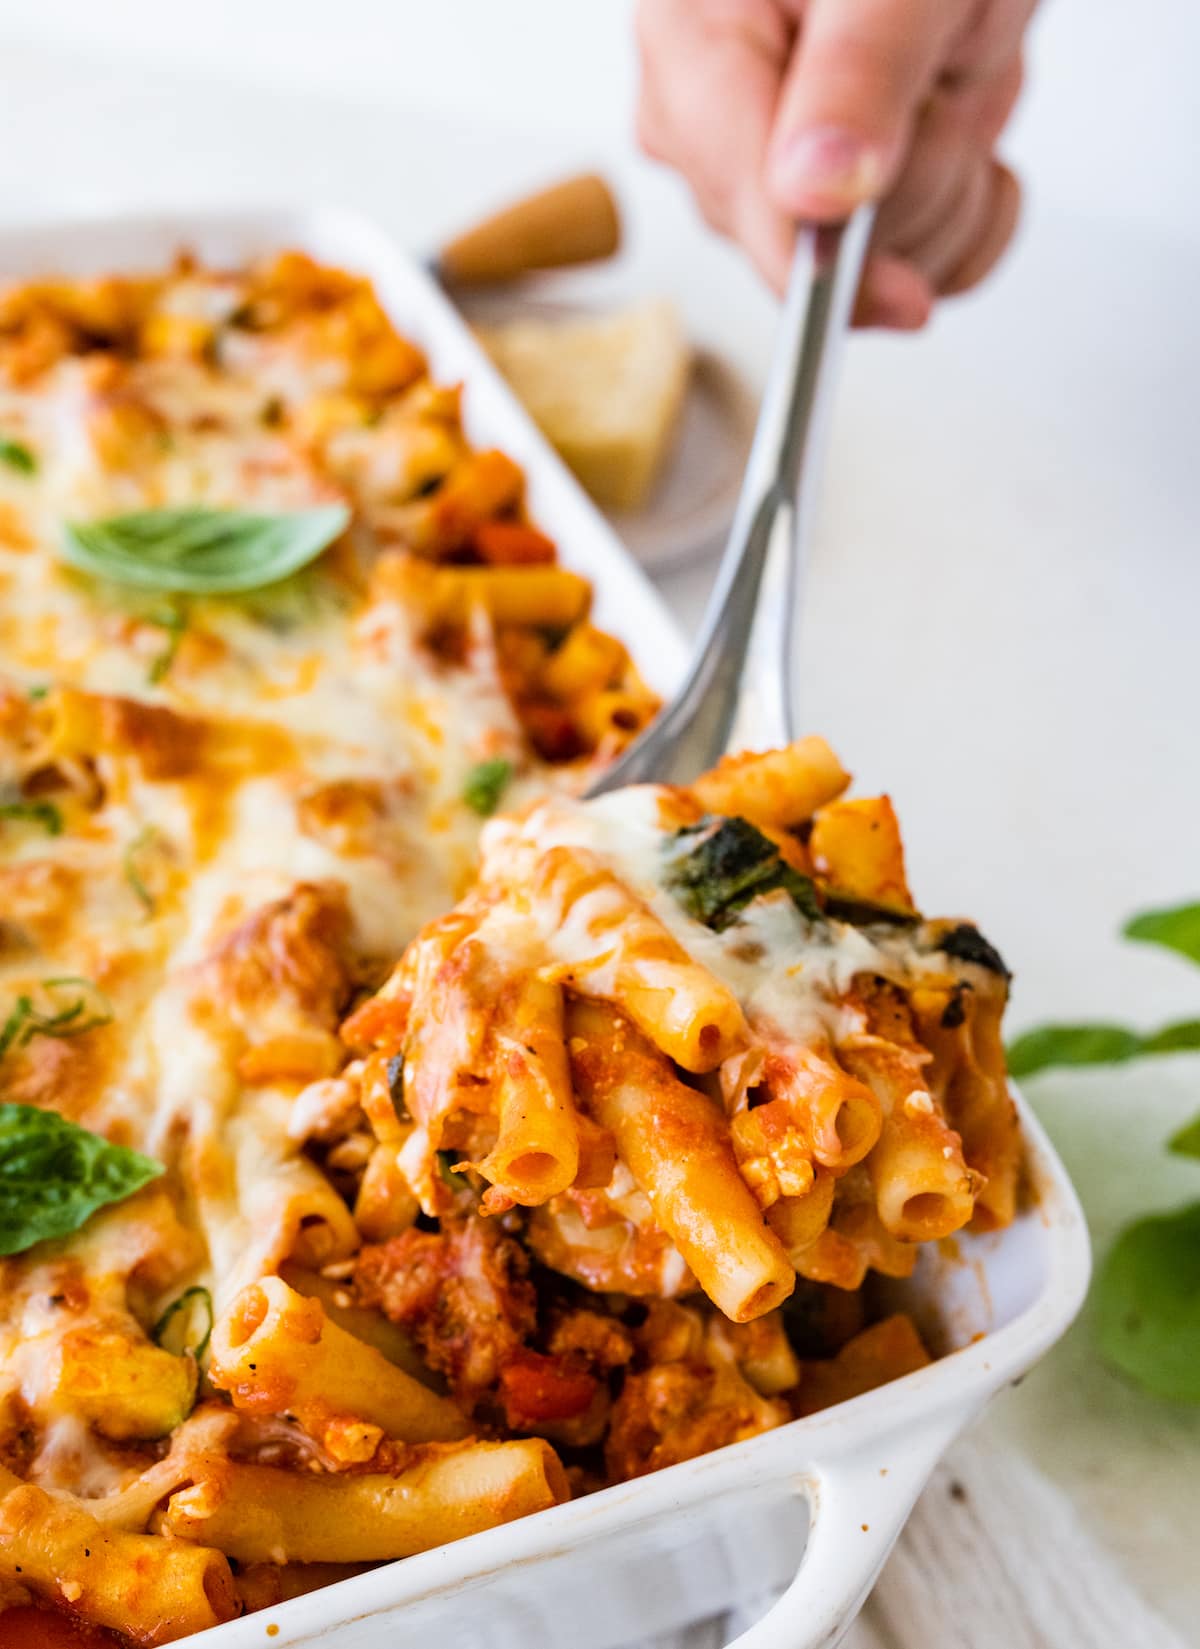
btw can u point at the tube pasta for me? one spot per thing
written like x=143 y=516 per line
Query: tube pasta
x=923 y=1188
x=614 y=948
x=676 y=1144
x=587 y=662
x=280 y=1206
x=385 y=1205
x=774 y=788
x=838 y=1115
x=880 y=1353
x=799 y=1221
x=277 y=1352
x=613 y=714
x=856 y=847
x=536 y=1154
x=369 y=1326
x=961 y=1027
x=51 y=1544
x=530 y=595
x=260 y=1514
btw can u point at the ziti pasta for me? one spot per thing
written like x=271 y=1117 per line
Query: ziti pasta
x=310 y=1259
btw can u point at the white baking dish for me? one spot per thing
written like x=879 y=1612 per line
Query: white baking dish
x=817 y=1503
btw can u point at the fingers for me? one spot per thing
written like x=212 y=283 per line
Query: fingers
x=999 y=224
x=711 y=73
x=893 y=294
x=860 y=71
x=776 y=110
x=953 y=208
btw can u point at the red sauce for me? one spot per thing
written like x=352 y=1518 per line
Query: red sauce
x=31 y=1627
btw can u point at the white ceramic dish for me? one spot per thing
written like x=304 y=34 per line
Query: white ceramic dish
x=818 y=1502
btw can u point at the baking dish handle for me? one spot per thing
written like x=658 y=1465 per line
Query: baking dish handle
x=857 y=1507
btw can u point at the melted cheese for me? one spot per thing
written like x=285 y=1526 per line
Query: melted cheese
x=789 y=974
x=315 y=741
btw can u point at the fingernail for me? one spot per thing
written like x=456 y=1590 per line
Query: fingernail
x=826 y=169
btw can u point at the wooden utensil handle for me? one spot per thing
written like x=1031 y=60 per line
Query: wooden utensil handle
x=575 y=221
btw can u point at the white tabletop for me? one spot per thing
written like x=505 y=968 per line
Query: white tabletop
x=1003 y=594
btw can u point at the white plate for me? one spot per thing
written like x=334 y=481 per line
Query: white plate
x=820 y=1499
x=691 y=504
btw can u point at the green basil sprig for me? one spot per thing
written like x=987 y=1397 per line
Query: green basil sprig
x=202 y=551
x=1146 y=1295
x=54 y=1175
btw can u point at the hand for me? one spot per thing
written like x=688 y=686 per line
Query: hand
x=782 y=110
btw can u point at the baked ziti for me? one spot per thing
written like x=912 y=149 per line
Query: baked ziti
x=314 y=1258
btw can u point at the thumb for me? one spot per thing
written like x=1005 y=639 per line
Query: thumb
x=858 y=76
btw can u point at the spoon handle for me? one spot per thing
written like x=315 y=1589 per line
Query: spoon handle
x=738 y=692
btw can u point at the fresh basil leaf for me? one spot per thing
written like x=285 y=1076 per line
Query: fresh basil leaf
x=1146 y=1304
x=486 y=784
x=54 y=1175
x=1185 y=1142
x=186 y=1326
x=1178 y=929
x=1071 y=1045
x=43 y=813
x=1096 y=1045
x=202 y=551
x=720 y=866
x=1173 y=1039
x=17 y=456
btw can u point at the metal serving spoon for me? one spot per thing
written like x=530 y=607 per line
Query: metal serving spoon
x=738 y=693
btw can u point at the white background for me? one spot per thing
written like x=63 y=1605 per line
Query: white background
x=1004 y=597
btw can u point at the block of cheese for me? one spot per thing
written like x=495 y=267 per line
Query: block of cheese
x=606 y=390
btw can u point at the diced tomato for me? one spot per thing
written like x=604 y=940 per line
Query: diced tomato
x=552 y=731
x=30 y=1627
x=536 y=1387
x=511 y=544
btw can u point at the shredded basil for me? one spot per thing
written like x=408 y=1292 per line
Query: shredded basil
x=395 y=1082
x=45 y=814
x=177 y=1326
x=86 y=1011
x=145 y=838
